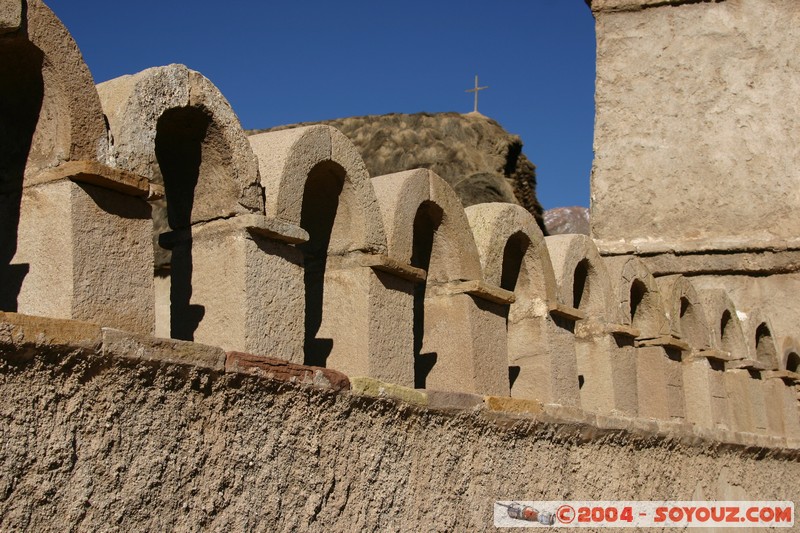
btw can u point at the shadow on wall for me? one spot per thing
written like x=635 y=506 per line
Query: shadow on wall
x=21 y=98
x=426 y=222
x=320 y=203
x=513 y=256
x=180 y=134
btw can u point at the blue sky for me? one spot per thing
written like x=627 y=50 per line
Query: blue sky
x=286 y=62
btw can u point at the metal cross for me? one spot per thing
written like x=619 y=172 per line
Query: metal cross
x=475 y=90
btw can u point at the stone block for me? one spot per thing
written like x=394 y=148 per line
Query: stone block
x=607 y=372
x=468 y=336
x=367 y=317
x=782 y=404
x=705 y=395
x=124 y=345
x=562 y=414
x=380 y=389
x=641 y=197
x=236 y=289
x=278 y=369
x=651 y=382
x=34 y=333
x=544 y=350
x=88 y=255
x=453 y=401
x=513 y=405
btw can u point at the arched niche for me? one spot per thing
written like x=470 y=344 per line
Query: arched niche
x=64 y=215
x=513 y=253
x=314 y=178
x=685 y=312
x=763 y=344
x=173 y=126
x=638 y=296
x=417 y=202
x=582 y=278
x=454 y=326
x=606 y=364
x=724 y=323
x=297 y=163
x=47 y=88
x=791 y=355
x=514 y=257
x=49 y=114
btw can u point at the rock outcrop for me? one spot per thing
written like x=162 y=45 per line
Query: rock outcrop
x=473 y=153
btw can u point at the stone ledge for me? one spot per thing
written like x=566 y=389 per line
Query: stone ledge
x=514 y=406
x=790 y=378
x=124 y=345
x=278 y=369
x=28 y=333
x=567 y=311
x=454 y=401
x=95 y=173
x=376 y=388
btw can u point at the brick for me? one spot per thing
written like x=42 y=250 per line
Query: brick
x=381 y=389
x=124 y=345
x=278 y=369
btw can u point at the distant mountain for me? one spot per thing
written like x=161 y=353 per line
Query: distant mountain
x=567 y=220
x=473 y=153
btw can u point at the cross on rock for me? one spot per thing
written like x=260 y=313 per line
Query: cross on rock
x=475 y=90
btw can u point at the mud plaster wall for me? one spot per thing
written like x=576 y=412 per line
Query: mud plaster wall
x=105 y=445
x=695 y=133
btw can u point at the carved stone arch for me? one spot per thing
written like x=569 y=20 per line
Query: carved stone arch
x=320 y=155
x=454 y=255
x=606 y=364
x=507 y=236
x=458 y=320
x=173 y=126
x=171 y=120
x=64 y=215
x=685 y=311
x=790 y=359
x=48 y=91
x=581 y=275
x=639 y=298
x=314 y=178
x=762 y=342
x=541 y=356
x=724 y=323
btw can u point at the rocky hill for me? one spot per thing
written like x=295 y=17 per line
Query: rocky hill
x=473 y=153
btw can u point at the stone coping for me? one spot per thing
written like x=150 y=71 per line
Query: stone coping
x=667 y=341
x=24 y=337
x=95 y=173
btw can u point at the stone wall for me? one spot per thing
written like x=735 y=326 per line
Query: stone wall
x=103 y=432
x=696 y=126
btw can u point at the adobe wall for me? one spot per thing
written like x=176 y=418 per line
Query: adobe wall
x=695 y=131
x=104 y=441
